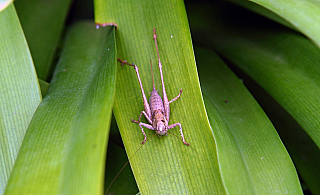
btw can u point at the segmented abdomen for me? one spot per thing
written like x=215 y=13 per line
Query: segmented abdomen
x=155 y=102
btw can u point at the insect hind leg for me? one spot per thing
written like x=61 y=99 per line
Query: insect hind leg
x=145 y=101
x=164 y=93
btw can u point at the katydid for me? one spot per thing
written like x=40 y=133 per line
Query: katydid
x=157 y=111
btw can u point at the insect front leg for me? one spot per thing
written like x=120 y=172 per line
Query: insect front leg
x=147 y=126
x=176 y=124
x=145 y=114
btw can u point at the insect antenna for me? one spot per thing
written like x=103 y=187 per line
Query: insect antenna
x=127 y=163
x=152 y=75
x=175 y=135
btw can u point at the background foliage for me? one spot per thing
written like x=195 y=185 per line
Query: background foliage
x=249 y=106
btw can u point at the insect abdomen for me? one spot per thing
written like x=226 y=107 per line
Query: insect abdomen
x=155 y=102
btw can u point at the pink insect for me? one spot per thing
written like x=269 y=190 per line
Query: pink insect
x=157 y=111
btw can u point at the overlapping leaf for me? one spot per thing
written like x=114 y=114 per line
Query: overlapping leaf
x=20 y=92
x=302 y=14
x=285 y=64
x=179 y=169
x=64 y=149
x=248 y=146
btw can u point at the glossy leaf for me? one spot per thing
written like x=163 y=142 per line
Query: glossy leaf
x=250 y=152
x=302 y=14
x=64 y=149
x=20 y=92
x=282 y=70
x=285 y=64
x=303 y=151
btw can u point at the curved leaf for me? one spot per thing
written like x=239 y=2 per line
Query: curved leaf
x=280 y=61
x=304 y=152
x=164 y=165
x=251 y=156
x=64 y=149
x=20 y=92
x=263 y=11
x=276 y=59
x=302 y=14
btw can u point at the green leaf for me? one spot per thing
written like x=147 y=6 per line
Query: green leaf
x=43 y=23
x=164 y=165
x=278 y=63
x=285 y=64
x=64 y=149
x=303 y=151
x=20 y=92
x=302 y=14
x=250 y=152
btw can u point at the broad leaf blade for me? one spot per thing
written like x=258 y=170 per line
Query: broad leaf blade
x=303 y=151
x=250 y=152
x=164 y=165
x=64 y=149
x=20 y=92
x=276 y=59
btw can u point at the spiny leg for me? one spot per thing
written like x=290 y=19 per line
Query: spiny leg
x=165 y=98
x=145 y=101
x=145 y=114
x=147 y=126
x=176 y=124
x=174 y=99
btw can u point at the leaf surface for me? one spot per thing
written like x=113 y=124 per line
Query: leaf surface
x=64 y=149
x=251 y=156
x=19 y=90
x=302 y=14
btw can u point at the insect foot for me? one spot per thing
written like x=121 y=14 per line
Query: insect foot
x=157 y=110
